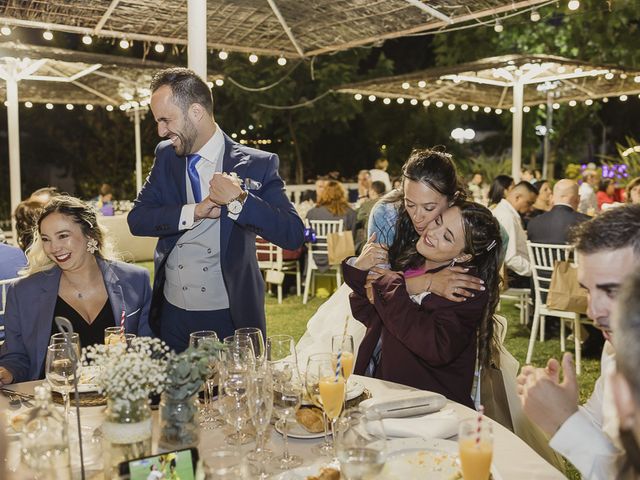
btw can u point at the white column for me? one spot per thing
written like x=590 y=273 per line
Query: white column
x=547 y=139
x=516 y=144
x=136 y=124
x=13 y=126
x=197 y=36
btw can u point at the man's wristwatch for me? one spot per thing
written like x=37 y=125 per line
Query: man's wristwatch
x=235 y=206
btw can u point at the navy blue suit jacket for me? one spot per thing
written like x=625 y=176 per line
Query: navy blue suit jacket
x=553 y=226
x=267 y=212
x=31 y=302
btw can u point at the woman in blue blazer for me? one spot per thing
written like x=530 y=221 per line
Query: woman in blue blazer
x=69 y=274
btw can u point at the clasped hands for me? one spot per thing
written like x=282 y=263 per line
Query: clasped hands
x=222 y=189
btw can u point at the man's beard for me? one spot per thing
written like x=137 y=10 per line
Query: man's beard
x=632 y=450
x=187 y=139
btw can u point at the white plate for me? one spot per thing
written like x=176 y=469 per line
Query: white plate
x=296 y=430
x=407 y=458
x=86 y=382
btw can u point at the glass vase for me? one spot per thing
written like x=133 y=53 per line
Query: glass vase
x=179 y=427
x=126 y=432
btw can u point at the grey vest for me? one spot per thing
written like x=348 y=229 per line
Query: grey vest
x=193 y=270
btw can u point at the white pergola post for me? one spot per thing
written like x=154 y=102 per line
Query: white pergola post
x=13 y=126
x=516 y=139
x=197 y=36
x=136 y=123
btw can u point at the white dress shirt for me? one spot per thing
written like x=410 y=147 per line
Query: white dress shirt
x=517 y=256
x=210 y=162
x=588 y=438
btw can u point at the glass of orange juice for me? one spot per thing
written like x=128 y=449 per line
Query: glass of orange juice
x=475 y=444
x=344 y=344
x=332 y=389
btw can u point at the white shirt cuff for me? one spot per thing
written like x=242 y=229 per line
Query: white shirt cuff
x=586 y=447
x=186 y=217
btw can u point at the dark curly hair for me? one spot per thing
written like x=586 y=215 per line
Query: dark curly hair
x=26 y=215
x=436 y=170
x=613 y=229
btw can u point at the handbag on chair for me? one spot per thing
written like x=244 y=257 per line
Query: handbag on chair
x=340 y=246
x=565 y=293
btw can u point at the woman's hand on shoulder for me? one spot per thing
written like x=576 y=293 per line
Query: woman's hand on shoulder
x=372 y=254
x=453 y=283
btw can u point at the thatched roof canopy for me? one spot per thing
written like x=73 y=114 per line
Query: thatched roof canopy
x=66 y=76
x=292 y=28
x=488 y=82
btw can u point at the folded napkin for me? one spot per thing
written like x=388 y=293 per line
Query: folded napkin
x=406 y=404
x=443 y=424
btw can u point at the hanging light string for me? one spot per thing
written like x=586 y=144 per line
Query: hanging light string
x=267 y=87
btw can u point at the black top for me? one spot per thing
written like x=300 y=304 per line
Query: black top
x=90 y=334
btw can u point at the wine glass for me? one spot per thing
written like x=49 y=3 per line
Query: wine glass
x=475 y=445
x=312 y=384
x=281 y=347
x=257 y=340
x=220 y=464
x=60 y=372
x=260 y=408
x=60 y=339
x=196 y=339
x=287 y=397
x=360 y=444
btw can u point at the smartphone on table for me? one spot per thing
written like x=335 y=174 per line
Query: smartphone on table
x=165 y=466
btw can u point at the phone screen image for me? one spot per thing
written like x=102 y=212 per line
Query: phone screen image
x=167 y=466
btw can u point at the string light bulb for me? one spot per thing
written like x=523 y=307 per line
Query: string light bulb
x=253 y=58
x=358 y=96
x=498 y=26
x=159 y=47
x=87 y=40
x=573 y=4
x=282 y=61
x=124 y=43
x=109 y=108
x=219 y=82
x=69 y=106
x=5 y=30
x=47 y=35
x=88 y=106
x=28 y=104
x=49 y=106
x=535 y=15
x=222 y=55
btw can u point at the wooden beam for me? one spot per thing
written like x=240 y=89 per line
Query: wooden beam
x=105 y=17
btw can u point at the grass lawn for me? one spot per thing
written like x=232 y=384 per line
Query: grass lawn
x=291 y=318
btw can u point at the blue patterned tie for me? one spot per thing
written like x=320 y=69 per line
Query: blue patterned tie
x=194 y=178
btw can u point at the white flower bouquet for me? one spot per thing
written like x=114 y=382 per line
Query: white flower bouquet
x=129 y=372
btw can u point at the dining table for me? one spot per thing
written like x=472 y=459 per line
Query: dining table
x=512 y=457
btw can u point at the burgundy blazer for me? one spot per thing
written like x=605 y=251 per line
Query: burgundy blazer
x=431 y=346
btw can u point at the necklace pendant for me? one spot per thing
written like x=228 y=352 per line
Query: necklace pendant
x=79 y=295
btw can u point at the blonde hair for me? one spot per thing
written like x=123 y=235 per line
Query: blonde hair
x=81 y=213
x=334 y=197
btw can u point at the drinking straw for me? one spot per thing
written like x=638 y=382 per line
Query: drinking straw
x=122 y=324
x=344 y=337
x=479 y=428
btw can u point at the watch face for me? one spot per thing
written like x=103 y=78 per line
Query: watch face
x=234 y=207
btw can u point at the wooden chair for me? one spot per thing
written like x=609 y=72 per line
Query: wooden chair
x=322 y=228
x=271 y=258
x=543 y=257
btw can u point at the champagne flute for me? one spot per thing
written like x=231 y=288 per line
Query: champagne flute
x=234 y=386
x=60 y=372
x=257 y=340
x=360 y=444
x=312 y=384
x=281 y=347
x=196 y=339
x=332 y=388
x=260 y=408
x=287 y=397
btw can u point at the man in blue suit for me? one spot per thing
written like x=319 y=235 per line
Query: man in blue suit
x=206 y=198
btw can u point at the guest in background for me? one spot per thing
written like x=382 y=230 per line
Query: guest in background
x=501 y=185
x=12 y=260
x=527 y=175
x=26 y=214
x=633 y=191
x=379 y=173
x=397 y=183
x=625 y=383
x=44 y=194
x=362 y=214
x=543 y=202
x=475 y=188
x=70 y=274
x=588 y=201
x=332 y=205
x=553 y=226
x=537 y=174
x=364 y=184
x=508 y=211
x=606 y=192
x=104 y=200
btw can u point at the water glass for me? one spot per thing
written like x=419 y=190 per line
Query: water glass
x=475 y=444
x=361 y=444
x=257 y=340
x=220 y=464
x=281 y=347
x=287 y=397
x=60 y=372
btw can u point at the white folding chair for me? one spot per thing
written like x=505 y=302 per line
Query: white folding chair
x=522 y=297
x=271 y=259
x=320 y=249
x=543 y=257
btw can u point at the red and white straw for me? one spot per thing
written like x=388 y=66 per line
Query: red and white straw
x=122 y=324
x=479 y=427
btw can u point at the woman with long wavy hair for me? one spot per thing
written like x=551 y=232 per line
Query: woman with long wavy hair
x=70 y=273
x=430 y=342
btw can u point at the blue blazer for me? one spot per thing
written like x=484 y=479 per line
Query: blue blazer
x=267 y=212
x=31 y=302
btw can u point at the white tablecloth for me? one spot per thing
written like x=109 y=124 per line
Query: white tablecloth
x=513 y=458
